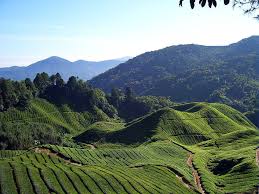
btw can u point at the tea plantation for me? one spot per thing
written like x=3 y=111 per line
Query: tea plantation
x=189 y=148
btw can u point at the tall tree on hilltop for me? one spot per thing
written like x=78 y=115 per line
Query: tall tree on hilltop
x=41 y=81
x=57 y=80
x=72 y=82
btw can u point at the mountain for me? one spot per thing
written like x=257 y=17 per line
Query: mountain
x=228 y=74
x=52 y=65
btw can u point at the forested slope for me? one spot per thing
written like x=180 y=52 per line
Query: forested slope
x=187 y=73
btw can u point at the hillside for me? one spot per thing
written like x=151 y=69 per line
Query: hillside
x=185 y=124
x=156 y=161
x=187 y=73
x=219 y=141
x=41 y=123
x=52 y=65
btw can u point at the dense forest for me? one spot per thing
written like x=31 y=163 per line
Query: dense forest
x=186 y=73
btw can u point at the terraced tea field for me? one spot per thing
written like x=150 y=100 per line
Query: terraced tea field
x=154 y=169
x=193 y=148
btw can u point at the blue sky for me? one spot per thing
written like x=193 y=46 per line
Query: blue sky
x=31 y=30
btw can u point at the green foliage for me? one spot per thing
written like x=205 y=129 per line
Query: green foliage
x=77 y=94
x=15 y=94
x=130 y=107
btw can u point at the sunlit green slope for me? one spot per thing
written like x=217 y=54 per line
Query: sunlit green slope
x=43 y=122
x=186 y=124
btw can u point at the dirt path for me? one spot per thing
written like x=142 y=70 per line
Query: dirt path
x=195 y=175
x=91 y=146
x=55 y=154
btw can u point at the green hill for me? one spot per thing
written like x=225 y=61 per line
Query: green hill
x=188 y=73
x=186 y=124
x=41 y=123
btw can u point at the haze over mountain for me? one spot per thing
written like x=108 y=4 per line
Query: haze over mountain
x=228 y=74
x=81 y=68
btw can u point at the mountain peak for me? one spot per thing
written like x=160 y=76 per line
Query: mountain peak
x=56 y=58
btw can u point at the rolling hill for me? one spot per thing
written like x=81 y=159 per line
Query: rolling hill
x=52 y=65
x=186 y=73
x=43 y=122
x=186 y=124
x=220 y=142
x=215 y=154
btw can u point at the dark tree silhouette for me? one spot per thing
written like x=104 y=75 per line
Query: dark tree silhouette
x=203 y=3
x=248 y=6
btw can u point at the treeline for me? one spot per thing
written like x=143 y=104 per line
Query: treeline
x=75 y=92
x=78 y=95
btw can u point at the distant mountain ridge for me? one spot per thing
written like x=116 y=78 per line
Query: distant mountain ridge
x=52 y=65
x=228 y=74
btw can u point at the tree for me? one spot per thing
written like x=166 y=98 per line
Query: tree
x=41 y=81
x=57 y=80
x=128 y=94
x=1 y=103
x=115 y=97
x=248 y=6
x=30 y=86
x=72 y=82
x=257 y=101
x=8 y=93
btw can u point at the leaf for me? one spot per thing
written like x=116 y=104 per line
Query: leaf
x=203 y=2
x=192 y=2
x=210 y=3
x=226 y=2
x=214 y=3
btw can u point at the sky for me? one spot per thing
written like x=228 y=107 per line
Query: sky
x=31 y=30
